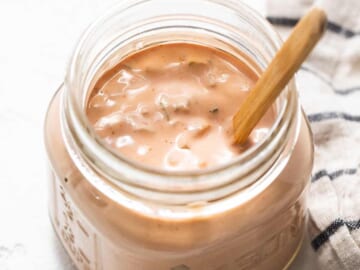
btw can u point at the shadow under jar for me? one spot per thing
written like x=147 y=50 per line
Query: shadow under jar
x=115 y=214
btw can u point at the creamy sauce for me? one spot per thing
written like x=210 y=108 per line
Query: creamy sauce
x=171 y=107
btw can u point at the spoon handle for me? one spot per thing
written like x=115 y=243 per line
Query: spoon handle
x=286 y=62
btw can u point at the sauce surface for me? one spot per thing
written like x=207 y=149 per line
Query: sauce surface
x=171 y=106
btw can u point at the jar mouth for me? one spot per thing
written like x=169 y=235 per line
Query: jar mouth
x=97 y=46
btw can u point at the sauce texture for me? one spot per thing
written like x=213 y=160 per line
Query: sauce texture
x=171 y=107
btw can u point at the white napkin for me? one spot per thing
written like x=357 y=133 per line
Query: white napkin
x=329 y=86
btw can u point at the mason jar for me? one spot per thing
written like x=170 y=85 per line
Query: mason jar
x=112 y=213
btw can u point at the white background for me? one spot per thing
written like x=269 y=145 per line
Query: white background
x=36 y=39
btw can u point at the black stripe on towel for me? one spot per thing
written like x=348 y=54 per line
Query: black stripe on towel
x=343 y=92
x=353 y=225
x=331 y=26
x=334 y=174
x=318 y=117
x=324 y=236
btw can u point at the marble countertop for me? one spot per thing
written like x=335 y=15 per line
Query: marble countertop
x=36 y=39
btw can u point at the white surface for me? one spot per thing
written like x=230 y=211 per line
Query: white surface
x=36 y=39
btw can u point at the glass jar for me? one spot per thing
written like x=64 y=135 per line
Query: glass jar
x=112 y=213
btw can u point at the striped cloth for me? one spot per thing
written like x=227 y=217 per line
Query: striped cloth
x=329 y=86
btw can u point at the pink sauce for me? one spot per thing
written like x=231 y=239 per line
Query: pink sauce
x=171 y=107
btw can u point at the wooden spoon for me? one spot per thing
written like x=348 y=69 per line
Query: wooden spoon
x=286 y=62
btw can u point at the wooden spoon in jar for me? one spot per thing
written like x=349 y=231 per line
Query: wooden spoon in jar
x=287 y=61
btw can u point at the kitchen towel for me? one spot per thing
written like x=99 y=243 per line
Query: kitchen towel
x=329 y=88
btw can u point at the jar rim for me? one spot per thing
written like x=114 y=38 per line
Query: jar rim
x=135 y=177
